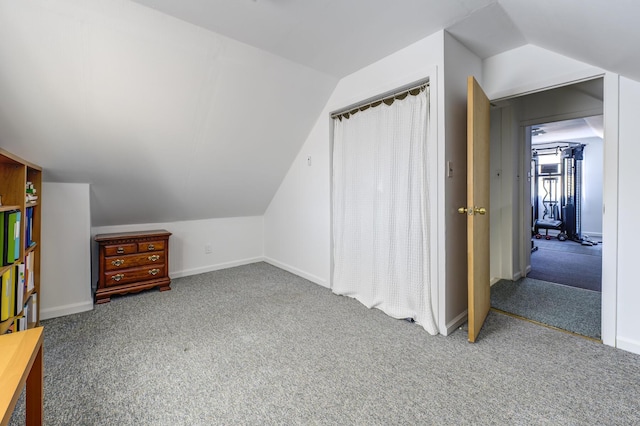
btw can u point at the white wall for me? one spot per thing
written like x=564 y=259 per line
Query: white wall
x=297 y=222
x=561 y=103
x=628 y=314
x=234 y=241
x=530 y=68
x=69 y=254
x=66 y=240
x=505 y=209
x=459 y=63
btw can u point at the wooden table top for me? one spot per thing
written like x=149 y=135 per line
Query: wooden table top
x=17 y=353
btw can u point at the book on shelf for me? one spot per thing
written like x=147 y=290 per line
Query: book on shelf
x=9 y=233
x=25 y=315
x=17 y=231
x=29 y=227
x=20 y=323
x=11 y=243
x=12 y=291
x=18 y=283
x=7 y=295
x=28 y=274
x=33 y=308
x=2 y=237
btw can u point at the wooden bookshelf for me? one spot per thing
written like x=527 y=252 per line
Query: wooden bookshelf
x=15 y=173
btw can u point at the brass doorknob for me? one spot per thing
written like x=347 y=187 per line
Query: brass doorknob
x=472 y=211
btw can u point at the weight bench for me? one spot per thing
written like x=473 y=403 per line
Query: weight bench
x=547 y=224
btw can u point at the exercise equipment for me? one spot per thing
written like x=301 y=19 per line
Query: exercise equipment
x=557 y=192
x=572 y=158
x=547 y=179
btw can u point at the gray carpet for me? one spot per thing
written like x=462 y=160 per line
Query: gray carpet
x=568 y=263
x=257 y=345
x=569 y=308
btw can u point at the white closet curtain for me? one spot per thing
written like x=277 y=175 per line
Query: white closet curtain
x=380 y=209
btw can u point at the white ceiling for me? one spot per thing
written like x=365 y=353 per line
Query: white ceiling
x=337 y=37
x=341 y=36
x=588 y=94
x=603 y=33
x=568 y=130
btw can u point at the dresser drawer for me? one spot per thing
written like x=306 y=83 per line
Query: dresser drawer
x=150 y=246
x=116 y=249
x=134 y=275
x=132 y=260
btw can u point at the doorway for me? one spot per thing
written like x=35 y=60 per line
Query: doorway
x=542 y=185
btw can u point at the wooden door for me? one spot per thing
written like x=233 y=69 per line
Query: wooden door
x=477 y=210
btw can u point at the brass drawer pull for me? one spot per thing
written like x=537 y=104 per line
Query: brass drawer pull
x=151 y=247
x=120 y=250
x=117 y=277
x=154 y=257
x=154 y=271
x=117 y=262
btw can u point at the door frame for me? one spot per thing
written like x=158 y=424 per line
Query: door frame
x=609 y=188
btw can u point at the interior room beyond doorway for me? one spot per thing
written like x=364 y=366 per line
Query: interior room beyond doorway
x=566 y=199
x=548 y=121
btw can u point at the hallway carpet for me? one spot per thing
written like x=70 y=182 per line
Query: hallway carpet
x=569 y=308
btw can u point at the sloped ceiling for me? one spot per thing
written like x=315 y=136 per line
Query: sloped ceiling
x=166 y=121
x=599 y=32
x=337 y=37
x=192 y=109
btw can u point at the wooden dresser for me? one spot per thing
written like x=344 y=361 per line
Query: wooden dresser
x=131 y=262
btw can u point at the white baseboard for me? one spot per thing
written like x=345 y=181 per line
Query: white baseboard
x=628 y=345
x=596 y=235
x=493 y=281
x=516 y=276
x=296 y=271
x=60 y=311
x=454 y=324
x=216 y=267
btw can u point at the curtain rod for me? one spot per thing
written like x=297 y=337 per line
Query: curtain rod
x=388 y=99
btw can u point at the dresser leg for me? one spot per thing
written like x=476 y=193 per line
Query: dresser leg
x=165 y=288
x=103 y=300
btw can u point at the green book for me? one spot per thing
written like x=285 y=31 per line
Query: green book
x=10 y=235
x=2 y=238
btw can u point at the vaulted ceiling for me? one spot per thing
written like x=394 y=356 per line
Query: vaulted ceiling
x=191 y=109
x=339 y=37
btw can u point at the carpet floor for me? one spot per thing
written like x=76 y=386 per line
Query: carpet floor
x=568 y=308
x=256 y=345
x=568 y=263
